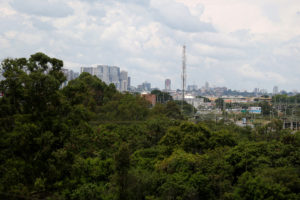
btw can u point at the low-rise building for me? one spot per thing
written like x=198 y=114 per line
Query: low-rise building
x=151 y=98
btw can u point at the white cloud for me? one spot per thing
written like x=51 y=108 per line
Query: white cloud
x=49 y=8
x=218 y=52
x=178 y=16
x=249 y=71
x=4 y=43
x=146 y=38
x=5 y=10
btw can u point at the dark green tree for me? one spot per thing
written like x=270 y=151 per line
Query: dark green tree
x=162 y=97
x=220 y=103
x=122 y=159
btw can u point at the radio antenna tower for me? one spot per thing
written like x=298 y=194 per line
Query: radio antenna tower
x=183 y=76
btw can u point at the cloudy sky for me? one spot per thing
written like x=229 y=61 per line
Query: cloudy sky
x=241 y=44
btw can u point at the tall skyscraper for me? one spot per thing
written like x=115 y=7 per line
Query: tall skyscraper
x=146 y=86
x=129 y=83
x=109 y=74
x=124 y=81
x=90 y=70
x=168 y=84
x=263 y=91
x=114 y=74
x=66 y=72
x=124 y=75
x=256 y=91
x=102 y=73
x=206 y=85
x=192 y=87
x=123 y=86
x=275 y=90
x=70 y=75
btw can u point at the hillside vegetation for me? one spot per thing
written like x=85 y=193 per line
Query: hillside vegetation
x=89 y=141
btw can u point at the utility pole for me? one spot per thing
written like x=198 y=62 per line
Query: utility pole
x=224 y=110
x=193 y=110
x=285 y=118
x=280 y=107
x=183 y=76
x=286 y=105
x=296 y=118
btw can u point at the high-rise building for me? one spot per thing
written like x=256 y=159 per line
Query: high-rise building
x=124 y=81
x=102 y=73
x=114 y=76
x=70 y=75
x=275 y=90
x=66 y=72
x=90 y=70
x=256 y=91
x=168 y=84
x=206 y=85
x=192 y=87
x=129 y=83
x=219 y=91
x=140 y=88
x=123 y=86
x=75 y=75
x=110 y=74
x=124 y=75
x=263 y=91
x=146 y=86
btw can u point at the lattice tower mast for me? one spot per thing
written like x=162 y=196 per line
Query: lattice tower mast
x=183 y=76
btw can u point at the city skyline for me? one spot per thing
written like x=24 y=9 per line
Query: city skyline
x=110 y=75
x=145 y=86
x=167 y=82
x=238 y=44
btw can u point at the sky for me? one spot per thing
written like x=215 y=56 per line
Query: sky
x=240 y=44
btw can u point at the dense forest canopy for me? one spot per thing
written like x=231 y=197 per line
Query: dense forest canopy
x=89 y=141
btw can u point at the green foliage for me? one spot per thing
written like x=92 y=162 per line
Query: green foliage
x=122 y=160
x=188 y=109
x=285 y=98
x=124 y=107
x=89 y=91
x=178 y=161
x=171 y=110
x=220 y=103
x=265 y=108
x=267 y=185
x=223 y=138
x=205 y=98
x=162 y=97
x=88 y=141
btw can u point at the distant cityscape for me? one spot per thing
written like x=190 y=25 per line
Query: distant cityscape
x=108 y=74
x=121 y=80
x=206 y=101
x=204 y=98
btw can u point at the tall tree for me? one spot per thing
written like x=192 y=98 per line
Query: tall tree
x=122 y=159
